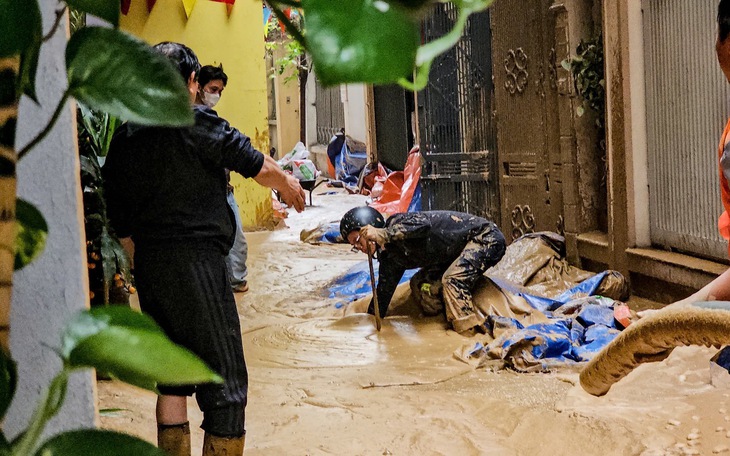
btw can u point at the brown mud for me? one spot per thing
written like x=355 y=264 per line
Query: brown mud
x=323 y=381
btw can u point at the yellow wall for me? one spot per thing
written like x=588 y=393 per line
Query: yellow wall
x=238 y=43
x=287 y=106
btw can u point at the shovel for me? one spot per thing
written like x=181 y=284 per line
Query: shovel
x=376 y=307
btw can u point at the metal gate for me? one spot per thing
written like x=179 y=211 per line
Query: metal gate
x=686 y=107
x=456 y=120
x=528 y=133
x=330 y=112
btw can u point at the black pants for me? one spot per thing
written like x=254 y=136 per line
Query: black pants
x=184 y=287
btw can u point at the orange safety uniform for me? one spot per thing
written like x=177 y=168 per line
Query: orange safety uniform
x=723 y=224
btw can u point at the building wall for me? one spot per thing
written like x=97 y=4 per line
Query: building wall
x=353 y=97
x=236 y=41
x=661 y=275
x=287 y=106
x=50 y=290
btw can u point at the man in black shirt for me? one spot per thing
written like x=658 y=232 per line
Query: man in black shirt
x=166 y=188
x=458 y=246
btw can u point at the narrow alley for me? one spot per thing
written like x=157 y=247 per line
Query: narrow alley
x=323 y=381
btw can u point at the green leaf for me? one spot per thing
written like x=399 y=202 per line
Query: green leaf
x=21 y=25
x=104 y=9
x=4 y=444
x=429 y=51
x=113 y=72
x=8 y=382
x=129 y=345
x=88 y=323
x=97 y=442
x=29 y=69
x=112 y=412
x=32 y=233
x=109 y=248
x=48 y=407
x=370 y=41
x=580 y=110
x=141 y=358
x=566 y=64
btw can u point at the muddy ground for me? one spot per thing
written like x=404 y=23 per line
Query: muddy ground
x=323 y=381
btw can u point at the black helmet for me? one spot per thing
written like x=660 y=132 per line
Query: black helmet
x=358 y=217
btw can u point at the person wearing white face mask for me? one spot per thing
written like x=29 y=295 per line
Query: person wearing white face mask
x=212 y=81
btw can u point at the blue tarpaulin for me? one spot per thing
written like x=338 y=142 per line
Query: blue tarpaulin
x=355 y=283
x=546 y=305
x=578 y=328
x=579 y=324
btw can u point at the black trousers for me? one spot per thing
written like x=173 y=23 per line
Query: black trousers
x=185 y=288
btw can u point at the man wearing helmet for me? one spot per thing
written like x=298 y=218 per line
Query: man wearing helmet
x=459 y=247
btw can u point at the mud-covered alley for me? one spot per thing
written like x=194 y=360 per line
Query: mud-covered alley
x=323 y=381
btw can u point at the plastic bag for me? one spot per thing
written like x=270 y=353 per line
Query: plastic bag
x=304 y=169
x=299 y=153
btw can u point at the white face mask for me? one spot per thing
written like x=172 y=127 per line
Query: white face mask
x=211 y=99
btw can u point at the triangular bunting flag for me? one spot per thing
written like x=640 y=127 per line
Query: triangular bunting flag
x=287 y=13
x=229 y=8
x=189 y=5
x=150 y=5
x=125 y=6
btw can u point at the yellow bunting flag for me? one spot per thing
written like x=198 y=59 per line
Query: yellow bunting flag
x=189 y=5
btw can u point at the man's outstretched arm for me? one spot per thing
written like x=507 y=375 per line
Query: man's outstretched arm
x=287 y=185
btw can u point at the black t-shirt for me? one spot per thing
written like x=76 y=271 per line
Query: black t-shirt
x=169 y=184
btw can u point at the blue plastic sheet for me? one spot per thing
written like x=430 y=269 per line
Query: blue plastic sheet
x=415 y=205
x=349 y=164
x=586 y=288
x=355 y=283
x=332 y=234
x=562 y=340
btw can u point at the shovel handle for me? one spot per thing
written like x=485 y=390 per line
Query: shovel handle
x=376 y=307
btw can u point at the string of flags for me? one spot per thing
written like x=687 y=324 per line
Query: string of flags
x=187 y=4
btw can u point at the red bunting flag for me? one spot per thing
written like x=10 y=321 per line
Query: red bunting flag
x=125 y=6
x=150 y=5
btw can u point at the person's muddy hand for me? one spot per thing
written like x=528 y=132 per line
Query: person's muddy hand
x=292 y=193
x=377 y=235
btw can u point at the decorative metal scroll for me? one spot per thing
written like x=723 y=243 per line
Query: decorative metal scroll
x=515 y=65
x=523 y=221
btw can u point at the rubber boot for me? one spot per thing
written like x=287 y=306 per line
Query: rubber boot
x=223 y=446
x=174 y=439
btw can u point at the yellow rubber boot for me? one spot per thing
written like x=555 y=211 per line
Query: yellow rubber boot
x=223 y=446
x=174 y=439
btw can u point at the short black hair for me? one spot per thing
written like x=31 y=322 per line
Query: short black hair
x=181 y=56
x=211 y=73
x=723 y=19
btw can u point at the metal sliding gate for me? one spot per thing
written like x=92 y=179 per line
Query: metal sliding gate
x=686 y=108
x=456 y=121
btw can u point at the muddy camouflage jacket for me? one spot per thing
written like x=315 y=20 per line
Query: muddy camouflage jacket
x=432 y=239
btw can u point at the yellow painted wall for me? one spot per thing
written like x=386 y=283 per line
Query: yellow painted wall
x=238 y=43
x=287 y=106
